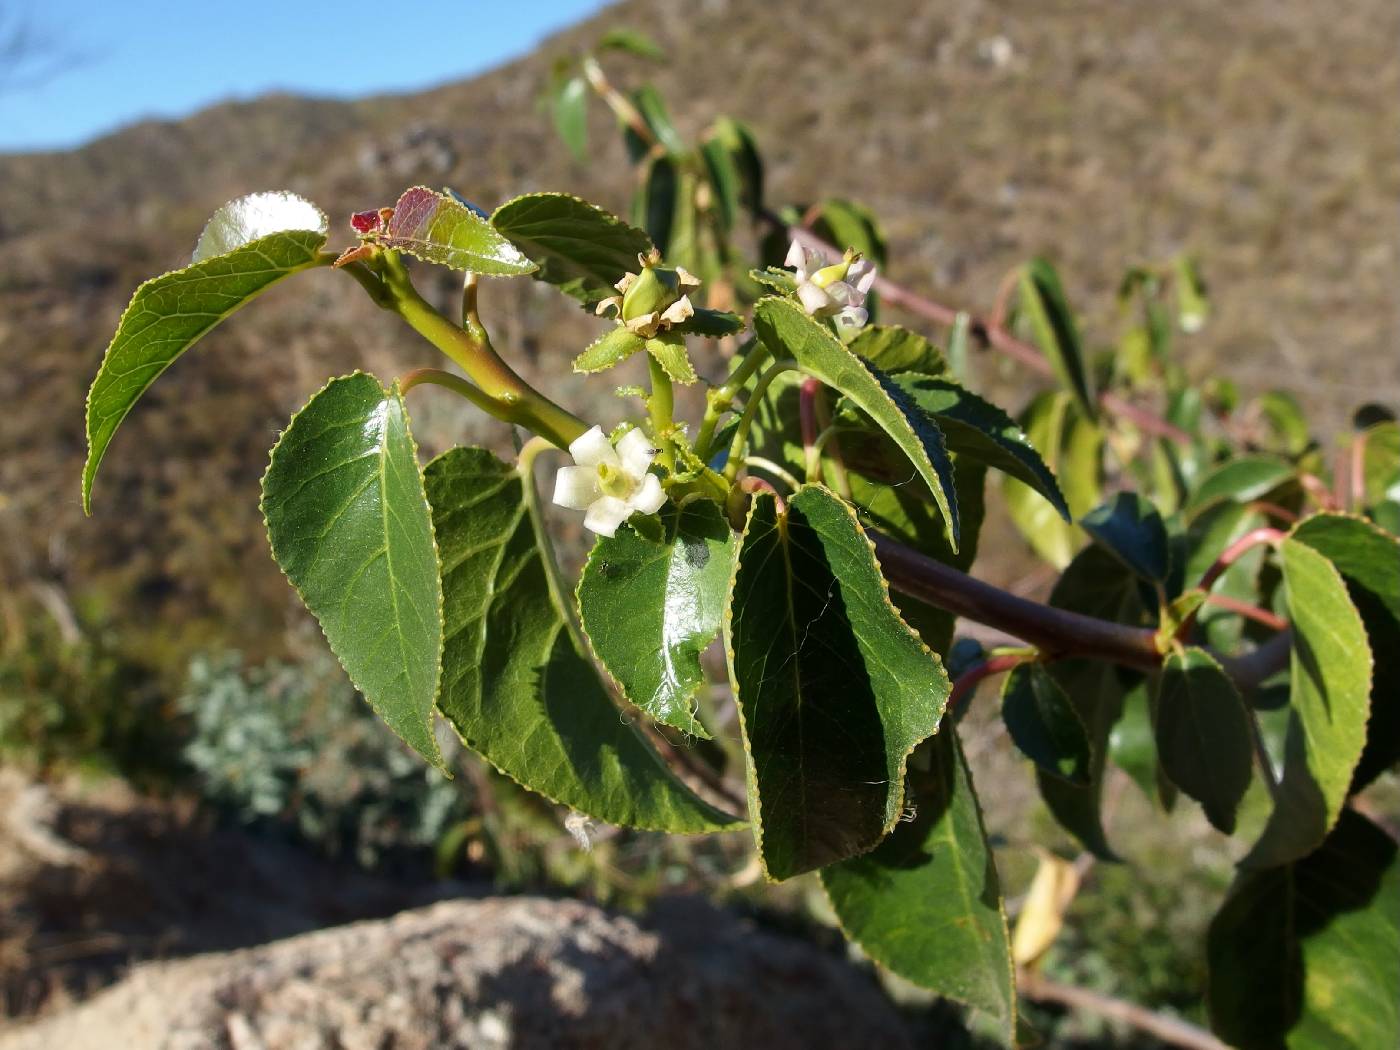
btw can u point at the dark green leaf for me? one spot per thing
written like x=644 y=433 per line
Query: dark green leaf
x=834 y=691
x=978 y=429
x=1307 y=955
x=926 y=904
x=632 y=41
x=169 y=314
x=1043 y=724
x=516 y=683
x=1203 y=734
x=440 y=229
x=785 y=329
x=724 y=181
x=893 y=349
x=748 y=163
x=579 y=248
x=612 y=347
x=847 y=224
x=712 y=324
x=1042 y=299
x=348 y=520
x=653 y=109
x=1242 y=479
x=1330 y=677
x=1369 y=561
x=654 y=207
x=1131 y=530
x=650 y=605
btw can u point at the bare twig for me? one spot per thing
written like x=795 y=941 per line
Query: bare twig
x=1168 y=1029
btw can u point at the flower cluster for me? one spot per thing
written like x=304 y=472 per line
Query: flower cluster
x=837 y=291
x=653 y=299
x=611 y=484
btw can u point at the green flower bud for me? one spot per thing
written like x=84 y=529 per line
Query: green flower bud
x=655 y=289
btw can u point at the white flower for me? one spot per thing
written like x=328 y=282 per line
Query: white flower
x=837 y=291
x=611 y=484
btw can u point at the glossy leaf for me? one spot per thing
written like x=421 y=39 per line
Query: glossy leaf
x=1203 y=734
x=1042 y=300
x=1380 y=462
x=1071 y=447
x=1369 y=561
x=1307 y=955
x=438 y=228
x=926 y=904
x=893 y=349
x=516 y=683
x=1242 y=479
x=348 y=521
x=1330 y=678
x=978 y=429
x=786 y=330
x=253 y=217
x=580 y=249
x=1043 y=724
x=651 y=600
x=711 y=324
x=1132 y=531
x=169 y=314
x=834 y=691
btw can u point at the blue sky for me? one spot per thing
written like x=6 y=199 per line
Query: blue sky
x=132 y=59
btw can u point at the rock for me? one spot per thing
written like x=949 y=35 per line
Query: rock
x=520 y=972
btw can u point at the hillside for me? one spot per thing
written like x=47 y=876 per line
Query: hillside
x=1260 y=135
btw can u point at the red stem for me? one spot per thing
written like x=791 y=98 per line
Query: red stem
x=1253 y=612
x=1273 y=510
x=970 y=679
x=990 y=332
x=1315 y=487
x=1236 y=550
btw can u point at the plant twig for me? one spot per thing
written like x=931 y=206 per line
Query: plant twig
x=1252 y=612
x=1170 y=1030
x=974 y=676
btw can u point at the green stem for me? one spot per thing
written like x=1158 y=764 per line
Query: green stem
x=718 y=400
x=741 y=433
x=662 y=406
x=458 y=385
x=516 y=400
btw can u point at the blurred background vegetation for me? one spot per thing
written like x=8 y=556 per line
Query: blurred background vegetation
x=153 y=662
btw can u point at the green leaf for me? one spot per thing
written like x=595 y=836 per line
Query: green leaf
x=653 y=110
x=579 y=248
x=1130 y=743
x=1369 y=561
x=926 y=904
x=438 y=228
x=1307 y=955
x=169 y=314
x=847 y=224
x=711 y=324
x=349 y=525
x=516 y=683
x=569 y=108
x=1192 y=301
x=611 y=348
x=893 y=349
x=724 y=180
x=1380 y=461
x=748 y=163
x=1131 y=530
x=1210 y=533
x=1042 y=300
x=784 y=327
x=1330 y=678
x=978 y=429
x=1203 y=735
x=253 y=217
x=834 y=691
x=668 y=348
x=1284 y=416
x=1096 y=584
x=959 y=362
x=1241 y=480
x=774 y=279
x=633 y=42
x=1072 y=449
x=651 y=601
x=654 y=206
x=1043 y=724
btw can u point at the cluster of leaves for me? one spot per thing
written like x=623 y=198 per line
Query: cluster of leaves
x=436 y=585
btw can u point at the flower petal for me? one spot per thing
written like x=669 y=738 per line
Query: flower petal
x=605 y=515
x=576 y=487
x=686 y=279
x=592 y=447
x=796 y=256
x=861 y=275
x=842 y=294
x=649 y=497
x=850 y=321
x=813 y=298
x=637 y=452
